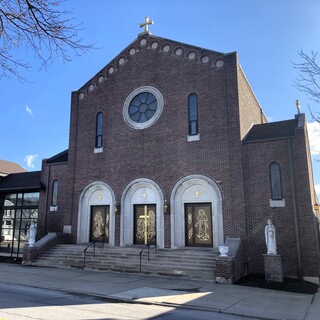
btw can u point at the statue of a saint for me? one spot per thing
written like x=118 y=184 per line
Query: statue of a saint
x=32 y=234
x=270 y=235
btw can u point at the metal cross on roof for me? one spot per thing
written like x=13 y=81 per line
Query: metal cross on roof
x=147 y=22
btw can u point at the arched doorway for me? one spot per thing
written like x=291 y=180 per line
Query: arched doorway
x=196 y=201
x=141 y=198
x=96 y=213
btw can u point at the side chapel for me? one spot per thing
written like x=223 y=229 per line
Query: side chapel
x=168 y=144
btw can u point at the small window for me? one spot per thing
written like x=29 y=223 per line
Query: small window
x=99 y=130
x=275 y=180
x=193 y=114
x=54 y=198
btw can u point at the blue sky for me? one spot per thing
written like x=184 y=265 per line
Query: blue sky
x=267 y=34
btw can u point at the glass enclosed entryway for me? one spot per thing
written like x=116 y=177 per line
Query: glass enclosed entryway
x=18 y=211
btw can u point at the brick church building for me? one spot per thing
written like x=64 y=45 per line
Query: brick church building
x=169 y=145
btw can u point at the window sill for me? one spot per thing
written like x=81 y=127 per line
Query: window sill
x=277 y=203
x=195 y=137
x=98 y=150
x=53 y=208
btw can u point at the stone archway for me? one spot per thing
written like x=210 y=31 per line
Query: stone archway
x=95 y=194
x=195 y=189
x=141 y=191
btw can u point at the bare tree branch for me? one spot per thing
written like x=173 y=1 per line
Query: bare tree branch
x=309 y=79
x=41 y=26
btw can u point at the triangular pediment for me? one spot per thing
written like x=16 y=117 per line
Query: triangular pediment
x=166 y=47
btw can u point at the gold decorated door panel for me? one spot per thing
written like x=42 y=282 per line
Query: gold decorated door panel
x=100 y=221
x=198 y=222
x=144 y=223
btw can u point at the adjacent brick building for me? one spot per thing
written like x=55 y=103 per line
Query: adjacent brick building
x=174 y=132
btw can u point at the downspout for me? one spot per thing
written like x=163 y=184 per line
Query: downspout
x=295 y=214
x=47 y=201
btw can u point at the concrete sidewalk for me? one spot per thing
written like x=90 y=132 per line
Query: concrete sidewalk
x=228 y=299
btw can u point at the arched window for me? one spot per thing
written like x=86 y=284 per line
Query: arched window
x=275 y=181
x=54 y=197
x=99 y=130
x=193 y=114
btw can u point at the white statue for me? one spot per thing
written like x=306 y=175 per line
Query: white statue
x=270 y=235
x=32 y=234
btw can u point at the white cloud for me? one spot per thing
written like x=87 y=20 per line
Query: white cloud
x=29 y=111
x=314 y=137
x=29 y=159
x=317 y=188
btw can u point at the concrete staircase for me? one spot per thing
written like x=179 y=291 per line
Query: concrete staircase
x=194 y=263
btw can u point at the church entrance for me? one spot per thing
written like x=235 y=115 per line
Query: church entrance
x=198 y=222
x=100 y=221
x=144 y=223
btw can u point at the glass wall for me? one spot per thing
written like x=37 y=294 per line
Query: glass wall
x=19 y=210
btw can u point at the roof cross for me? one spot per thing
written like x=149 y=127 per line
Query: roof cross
x=147 y=22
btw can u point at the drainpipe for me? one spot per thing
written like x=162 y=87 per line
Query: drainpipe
x=47 y=200
x=295 y=214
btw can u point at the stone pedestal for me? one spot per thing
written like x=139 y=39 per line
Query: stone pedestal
x=273 y=267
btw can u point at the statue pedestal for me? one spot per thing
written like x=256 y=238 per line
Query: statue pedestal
x=273 y=267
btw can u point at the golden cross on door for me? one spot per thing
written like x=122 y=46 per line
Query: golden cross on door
x=146 y=23
x=145 y=217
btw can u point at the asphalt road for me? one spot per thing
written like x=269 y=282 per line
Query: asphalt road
x=26 y=303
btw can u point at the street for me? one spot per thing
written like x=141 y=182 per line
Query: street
x=22 y=302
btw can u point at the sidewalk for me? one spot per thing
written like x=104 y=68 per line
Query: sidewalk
x=228 y=299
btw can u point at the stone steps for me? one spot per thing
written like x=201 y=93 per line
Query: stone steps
x=187 y=263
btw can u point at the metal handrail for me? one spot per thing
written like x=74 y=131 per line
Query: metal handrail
x=94 y=249
x=148 y=246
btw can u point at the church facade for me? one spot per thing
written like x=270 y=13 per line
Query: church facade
x=168 y=144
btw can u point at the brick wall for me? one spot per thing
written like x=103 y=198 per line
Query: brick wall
x=291 y=236
x=54 y=220
x=161 y=152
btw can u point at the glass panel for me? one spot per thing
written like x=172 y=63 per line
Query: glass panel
x=135 y=116
x=10 y=200
x=153 y=106
x=276 y=193
x=135 y=102
x=17 y=214
x=31 y=199
x=15 y=248
x=193 y=128
x=193 y=108
x=99 y=142
x=54 y=198
x=151 y=98
x=142 y=118
x=30 y=215
x=143 y=97
x=19 y=199
x=133 y=109
x=99 y=123
x=6 y=237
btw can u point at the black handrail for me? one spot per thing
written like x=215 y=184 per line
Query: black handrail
x=148 y=246
x=94 y=248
